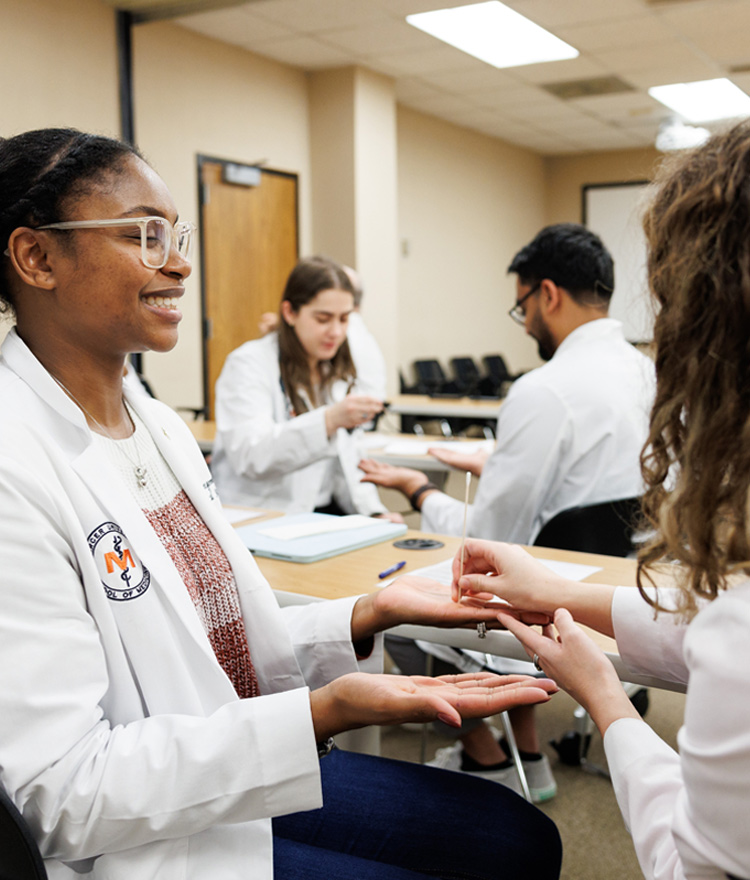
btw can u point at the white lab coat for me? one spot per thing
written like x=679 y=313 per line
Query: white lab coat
x=265 y=458
x=122 y=740
x=368 y=358
x=569 y=433
x=687 y=812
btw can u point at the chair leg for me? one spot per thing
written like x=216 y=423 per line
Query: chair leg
x=429 y=667
x=514 y=756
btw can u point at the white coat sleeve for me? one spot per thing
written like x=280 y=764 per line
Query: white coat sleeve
x=532 y=432
x=256 y=435
x=649 y=644
x=85 y=785
x=321 y=635
x=687 y=813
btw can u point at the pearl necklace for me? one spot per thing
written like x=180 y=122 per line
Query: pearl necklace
x=140 y=470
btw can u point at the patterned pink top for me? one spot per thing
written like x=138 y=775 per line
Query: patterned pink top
x=199 y=559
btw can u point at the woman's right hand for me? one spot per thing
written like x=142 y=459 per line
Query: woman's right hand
x=508 y=571
x=360 y=699
x=351 y=412
x=532 y=590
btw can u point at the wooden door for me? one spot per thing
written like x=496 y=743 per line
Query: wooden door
x=249 y=245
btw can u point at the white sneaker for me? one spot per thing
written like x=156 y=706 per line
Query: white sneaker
x=449 y=758
x=542 y=785
x=541 y=782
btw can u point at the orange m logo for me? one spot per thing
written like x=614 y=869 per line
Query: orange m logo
x=122 y=564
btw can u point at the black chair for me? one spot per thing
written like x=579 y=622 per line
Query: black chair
x=497 y=374
x=466 y=375
x=432 y=380
x=606 y=528
x=20 y=858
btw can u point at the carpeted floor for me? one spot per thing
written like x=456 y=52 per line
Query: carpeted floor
x=595 y=843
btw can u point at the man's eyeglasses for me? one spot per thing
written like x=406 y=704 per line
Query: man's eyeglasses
x=518 y=312
x=157 y=235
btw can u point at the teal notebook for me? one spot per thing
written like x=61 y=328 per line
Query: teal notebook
x=309 y=537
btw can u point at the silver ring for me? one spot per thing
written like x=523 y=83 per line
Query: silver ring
x=482 y=629
x=535 y=661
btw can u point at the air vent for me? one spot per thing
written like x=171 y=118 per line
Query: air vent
x=586 y=88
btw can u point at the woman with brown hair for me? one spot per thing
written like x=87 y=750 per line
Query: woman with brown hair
x=286 y=406
x=687 y=812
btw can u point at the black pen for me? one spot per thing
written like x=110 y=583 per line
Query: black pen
x=392 y=570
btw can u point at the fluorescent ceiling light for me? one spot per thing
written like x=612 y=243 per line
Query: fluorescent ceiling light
x=704 y=101
x=675 y=135
x=493 y=33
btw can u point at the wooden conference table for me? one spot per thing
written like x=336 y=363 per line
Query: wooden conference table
x=356 y=572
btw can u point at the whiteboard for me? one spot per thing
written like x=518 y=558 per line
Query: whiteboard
x=613 y=212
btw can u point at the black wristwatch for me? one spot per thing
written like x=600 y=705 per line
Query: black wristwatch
x=326 y=747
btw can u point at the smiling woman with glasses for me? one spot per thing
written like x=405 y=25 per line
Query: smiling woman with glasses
x=157 y=708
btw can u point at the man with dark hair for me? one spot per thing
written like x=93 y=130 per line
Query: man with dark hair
x=569 y=433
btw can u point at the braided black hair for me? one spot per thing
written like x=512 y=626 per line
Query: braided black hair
x=43 y=170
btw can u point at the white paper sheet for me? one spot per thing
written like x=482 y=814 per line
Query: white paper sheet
x=421 y=447
x=324 y=526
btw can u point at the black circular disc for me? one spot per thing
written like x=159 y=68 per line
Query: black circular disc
x=418 y=544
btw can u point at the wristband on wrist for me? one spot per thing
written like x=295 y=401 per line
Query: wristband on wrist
x=326 y=747
x=418 y=493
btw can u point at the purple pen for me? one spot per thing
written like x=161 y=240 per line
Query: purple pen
x=392 y=570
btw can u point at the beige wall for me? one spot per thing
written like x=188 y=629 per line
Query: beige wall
x=467 y=203
x=566 y=175
x=462 y=203
x=52 y=82
x=223 y=102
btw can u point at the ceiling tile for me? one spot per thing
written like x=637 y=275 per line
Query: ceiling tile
x=625 y=106
x=558 y=13
x=559 y=71
x=719 y=28
x=234 y=25
x=476 y=76
x=380 y=37
x=305 y=52
x=417 y=63
x=665 y=54
x=662 y=75
x=310 y=17
x=512 y=97
x=640 y=30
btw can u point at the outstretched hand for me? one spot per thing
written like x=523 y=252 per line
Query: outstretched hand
x=405 y=480
x=473 y=462
x=360 y=699
x=426 y=602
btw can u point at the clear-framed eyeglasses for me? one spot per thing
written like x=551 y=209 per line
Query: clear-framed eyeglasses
x=157 y=235
x=518 y=312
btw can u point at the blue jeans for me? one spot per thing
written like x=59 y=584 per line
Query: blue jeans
x=391 y=820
